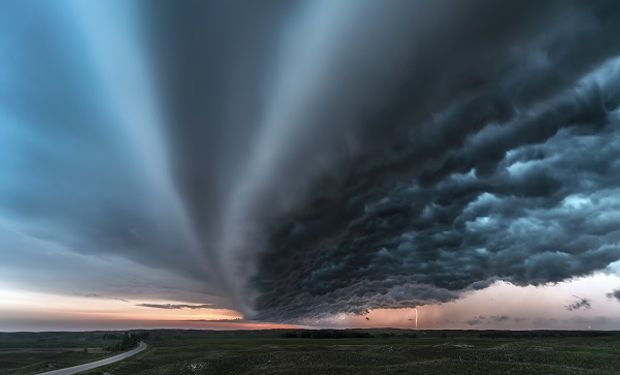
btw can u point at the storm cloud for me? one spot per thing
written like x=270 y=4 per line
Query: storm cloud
x=305 y=158
x=495 y=184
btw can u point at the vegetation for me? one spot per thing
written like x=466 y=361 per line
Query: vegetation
x=28 y=353
x=357 y=352
x=128 y=340
x=327 y=334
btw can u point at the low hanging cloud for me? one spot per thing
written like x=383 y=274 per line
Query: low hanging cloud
x=169 y=306
x=99 y=296
x=581 y=303
x=615 y=294
x=481 y=319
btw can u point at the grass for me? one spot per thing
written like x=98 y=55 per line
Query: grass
x=27 y=353
x=387 y=352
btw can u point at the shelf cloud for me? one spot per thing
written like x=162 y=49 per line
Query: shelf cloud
x=307 y=158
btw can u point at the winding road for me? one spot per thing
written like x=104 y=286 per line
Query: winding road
x=99 y=363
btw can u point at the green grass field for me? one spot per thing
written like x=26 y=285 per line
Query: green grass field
x=386 y=352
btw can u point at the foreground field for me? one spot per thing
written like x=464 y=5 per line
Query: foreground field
x=28 y=353
x=385 y=352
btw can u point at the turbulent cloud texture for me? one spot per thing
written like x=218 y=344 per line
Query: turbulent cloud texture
x=304 y=158
x=513 y=178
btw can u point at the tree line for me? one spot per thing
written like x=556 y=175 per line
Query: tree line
x=129 y=340
x=339 y=334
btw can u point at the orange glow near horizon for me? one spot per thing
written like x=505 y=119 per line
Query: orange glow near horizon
x=50 y=304
x=501 y=306
x=49 y=310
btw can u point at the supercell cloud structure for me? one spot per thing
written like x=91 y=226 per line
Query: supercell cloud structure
x=298 y=159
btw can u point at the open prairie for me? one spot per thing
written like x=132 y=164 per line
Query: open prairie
x=327 y=352
x=28 y=353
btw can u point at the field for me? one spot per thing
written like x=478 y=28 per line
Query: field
x=286 y=352
x=27 y=353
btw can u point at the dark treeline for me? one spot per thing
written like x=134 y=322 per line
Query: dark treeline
x=326 y=334
x=112 y=336
x=128 y=340
x=339 y=334
x=544 y=334
x=490 y=334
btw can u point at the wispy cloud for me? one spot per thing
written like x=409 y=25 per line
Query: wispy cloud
x=581 y=303
x=615 y=294
x=481 y=319
x=231 y=320
x=97 y=295
x=170 y=306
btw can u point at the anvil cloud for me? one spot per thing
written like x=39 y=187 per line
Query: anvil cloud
x=294 y=160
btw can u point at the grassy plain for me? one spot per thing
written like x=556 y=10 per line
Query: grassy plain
x=385 y=352
x=28 y=353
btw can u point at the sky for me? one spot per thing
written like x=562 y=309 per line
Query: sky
x=275 y=164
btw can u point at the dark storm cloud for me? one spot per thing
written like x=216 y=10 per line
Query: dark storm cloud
x=581 y=303
x=499 y=183
x=305 y=137
x=169 y=306
x=545 y=213
x=301 y=158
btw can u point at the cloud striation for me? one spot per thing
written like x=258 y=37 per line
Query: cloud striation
x=300 y=159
